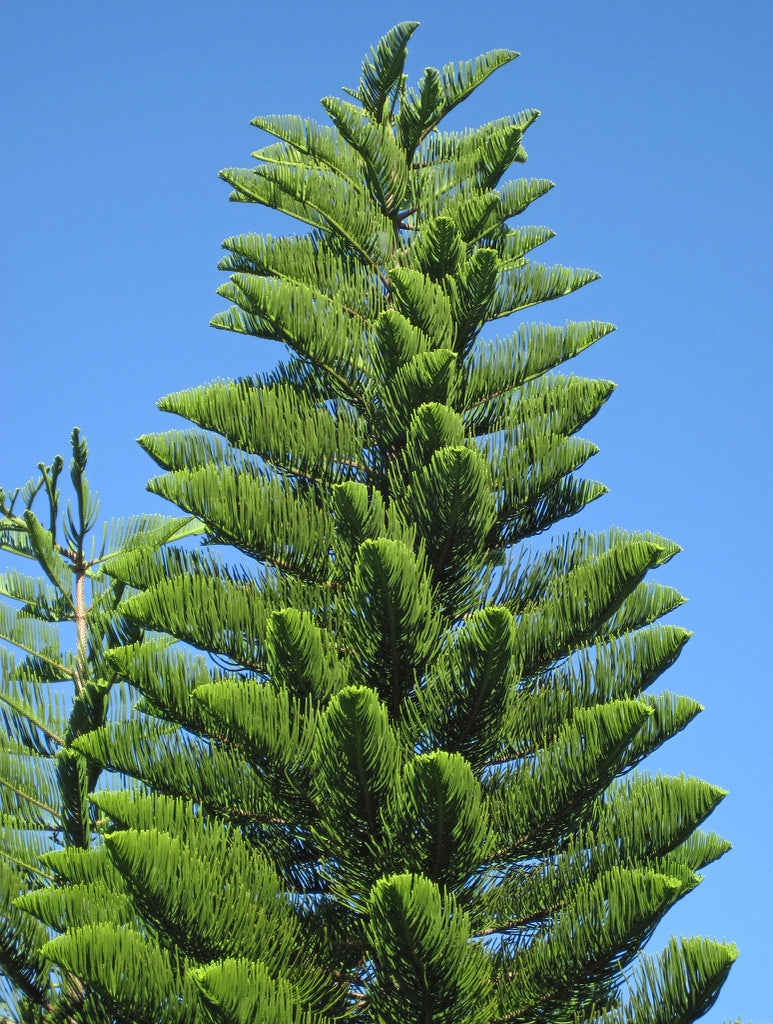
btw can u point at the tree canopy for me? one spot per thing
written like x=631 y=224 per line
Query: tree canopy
x=385 y=746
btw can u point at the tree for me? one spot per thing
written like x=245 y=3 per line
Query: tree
x=398 y=782
x=49 y=696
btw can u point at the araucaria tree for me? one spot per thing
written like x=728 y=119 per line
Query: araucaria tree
x=51 y=694
x=401 y=788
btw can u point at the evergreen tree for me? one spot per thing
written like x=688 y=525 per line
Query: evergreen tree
x=50 y=695
x=397 y=782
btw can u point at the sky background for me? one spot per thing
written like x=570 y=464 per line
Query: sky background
x=656 y=129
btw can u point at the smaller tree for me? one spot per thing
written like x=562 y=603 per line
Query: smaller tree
x=51 y=695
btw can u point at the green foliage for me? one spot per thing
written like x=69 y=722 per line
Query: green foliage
x=50 y=697
x=398 y=783
x=425 y=966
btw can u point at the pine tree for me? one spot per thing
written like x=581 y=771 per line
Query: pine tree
x=395 y=779
x=50 y=695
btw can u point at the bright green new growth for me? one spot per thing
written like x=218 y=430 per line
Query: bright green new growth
x=403 y=794
x=51 y=695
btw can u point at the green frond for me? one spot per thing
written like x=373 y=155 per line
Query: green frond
x=78 y=524
x=582 y=602
x=534 y=283
x=142 y=531
x=619 y=668
x=314 y=326
x=31 y=713
x=437 y=824
x=320 y=198
x=426 y=377
x=48 y=557
x=89 y=705
x=274 y=730
x=676 y=987
x=472 y=296
x=513 y=243
x=550 y=496
x=14 y=539
x=535 y=802
x=639 y=824
x=298 y=373
x=504 y=364
x=211 y=892
x=552 y=404
x=498 y=146
x=177 y=450
x=38 y=598
x=308 y=144
x=513 y=197
x=439 y=250
x=28 y=786
x=178 y=765
x=476 y=157
x=461 y=704
x=92 y=867
x=134 y=975
x=284 y=428
x=89 y=1006
x=22 y=847
x=425 y=305
x=359 y=514
x=528 y=471
x=382 y=70
x=459 y=80
x=395 y=342
x=267 y=518
x=356 y=761
x=36 y=638
x=393 y=629
x=605 y=923
x=427 y=969
x=472 y=212
x=211 y=613
x=386 y=173
x=21 y=938
x=698 y=850
x=644 y=605
x=142 y=812
x=433 y=426
x=670 y=714
x=146 y=549
x=566 y=498
x=418 y=111
x=310 y=260
x=642 y=819
x=73 y=906
x=549 y=404
x=238 y=991
x=512 y=903
x=531 y=577
x=73 y=778
x=302 y=657
x=451 y=502
x=477 y=213
x=141 y=568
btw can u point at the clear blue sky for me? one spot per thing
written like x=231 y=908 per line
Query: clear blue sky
x=656 y=128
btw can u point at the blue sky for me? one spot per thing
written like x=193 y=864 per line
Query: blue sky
x=656 y=129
